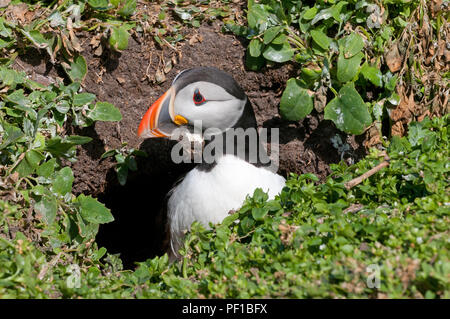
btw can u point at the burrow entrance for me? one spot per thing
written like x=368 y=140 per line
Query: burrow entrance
x=138 y=231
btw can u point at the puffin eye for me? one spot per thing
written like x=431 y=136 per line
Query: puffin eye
x=198 y=98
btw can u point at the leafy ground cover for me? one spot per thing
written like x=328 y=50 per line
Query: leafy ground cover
x=311 y=241
x=350 y=57
x=314 y=240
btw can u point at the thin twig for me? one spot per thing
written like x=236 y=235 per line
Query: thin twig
x=366 y=175
x=169 y=45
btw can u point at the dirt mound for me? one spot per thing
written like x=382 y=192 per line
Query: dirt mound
x=122 y=79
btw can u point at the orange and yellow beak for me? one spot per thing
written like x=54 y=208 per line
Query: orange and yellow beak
x=160 y=120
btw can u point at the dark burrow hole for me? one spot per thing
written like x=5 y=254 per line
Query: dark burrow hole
x=138 y=230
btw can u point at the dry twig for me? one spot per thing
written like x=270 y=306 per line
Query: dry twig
x=367 y=174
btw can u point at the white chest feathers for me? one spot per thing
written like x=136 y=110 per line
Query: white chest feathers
x=208 y=196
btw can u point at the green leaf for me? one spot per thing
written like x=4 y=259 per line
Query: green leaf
x=259 y=195
x=295 y=102
x=348 y=249
x=390 y=81
x=348 y=68
x=104 y=111
x=99 y=253
x=62 y=183
x=57 y=147
x=78 y=140
x=252 y=63
x=258 y=17
x=17 y=97
x=4 y=31
x=28 y=164
x=348 y=111
x=259 y=213
x=86 y=230
x=394 y=98
x=47 y=168
x=235 y=28
x=279 y=53
x=99 y=4
x=246 y=224
x=11 y=77
x=271 y=34
x=322 y=15
x=321 y=39
x=120 y=158
x=255 y=48
x=24 y=168
x=122 y=174
x=310 y=13
x=351 y=45
x=128 y=9
x=34 y=158
x=83 y=99
x=417 y=134
x=131 y=163
x=28 y=127
x=13 y=133
x=37 y=38
x=93 y=211
x=119 y=38
x=337 y=8
x=372 y=74
x=47 y=208
x=310 y=76
x=78 y=69
x=315 y=241
x=280 y=39
x=333 y=11
x=115 y=3
x=273 y=205
x=39 y=190
x=63 y=107
x=108 y=154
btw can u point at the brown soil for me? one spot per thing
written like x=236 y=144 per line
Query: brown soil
x=305 y=146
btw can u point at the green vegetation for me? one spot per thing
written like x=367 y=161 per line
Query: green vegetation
x=125 y=161
x=341 y=52
x=314 y=240
x=311 y=241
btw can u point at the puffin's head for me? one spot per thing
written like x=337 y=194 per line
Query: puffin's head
x=203 y=94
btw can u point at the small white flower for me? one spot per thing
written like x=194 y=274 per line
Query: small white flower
x=322 y=247
x=419 y=240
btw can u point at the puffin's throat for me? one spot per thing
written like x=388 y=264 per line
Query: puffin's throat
x=242 y=141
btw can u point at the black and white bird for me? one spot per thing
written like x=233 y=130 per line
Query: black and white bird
x=211 y=190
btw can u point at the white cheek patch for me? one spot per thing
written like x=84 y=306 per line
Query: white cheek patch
x=221 y=109
x=220 y=114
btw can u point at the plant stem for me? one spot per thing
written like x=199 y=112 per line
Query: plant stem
x=295 y=38
x=334 y=91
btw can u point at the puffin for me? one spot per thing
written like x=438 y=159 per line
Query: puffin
x=212 y=189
